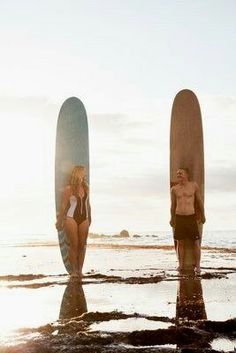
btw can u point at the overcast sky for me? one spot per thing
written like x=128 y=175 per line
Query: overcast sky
x=126 y=60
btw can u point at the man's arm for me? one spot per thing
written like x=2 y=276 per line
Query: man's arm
x=200 y=203
x=173 y=207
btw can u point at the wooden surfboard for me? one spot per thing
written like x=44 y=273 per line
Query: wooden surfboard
x=186 y=149
x=72 y=148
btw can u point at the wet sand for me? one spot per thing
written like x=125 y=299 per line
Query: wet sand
x=130 y=300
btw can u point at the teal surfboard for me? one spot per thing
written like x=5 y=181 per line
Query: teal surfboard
x=186 y=149
x=72 y=148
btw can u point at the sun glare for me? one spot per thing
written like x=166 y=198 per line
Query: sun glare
x=20 y=308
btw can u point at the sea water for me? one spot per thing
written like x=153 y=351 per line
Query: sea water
x=215 y=239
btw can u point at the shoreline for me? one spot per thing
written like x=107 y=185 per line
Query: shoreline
x=106 y=315
x=131 y=299
x=122 y=246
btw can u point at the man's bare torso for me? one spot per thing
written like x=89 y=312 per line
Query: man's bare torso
x=185 y=196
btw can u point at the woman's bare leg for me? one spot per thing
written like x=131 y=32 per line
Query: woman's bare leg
x=71 y=230
x=83 y=234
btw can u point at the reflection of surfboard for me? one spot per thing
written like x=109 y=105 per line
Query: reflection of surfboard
x=190 y=303
x=186 y=148
x=71 y=149
x=73 y=302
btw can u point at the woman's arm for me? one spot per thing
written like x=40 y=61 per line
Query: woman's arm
x=65 y=199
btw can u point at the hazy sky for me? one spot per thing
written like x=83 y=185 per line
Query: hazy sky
x=125 y=60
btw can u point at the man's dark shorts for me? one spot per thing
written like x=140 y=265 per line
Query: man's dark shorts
x=186 y=228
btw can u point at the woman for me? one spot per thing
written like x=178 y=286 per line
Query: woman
x=75 y=217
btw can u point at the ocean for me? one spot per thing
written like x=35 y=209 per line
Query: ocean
x=215 y=239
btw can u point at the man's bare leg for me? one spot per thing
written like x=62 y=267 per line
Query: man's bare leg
x=181 y=254
x=197 y=254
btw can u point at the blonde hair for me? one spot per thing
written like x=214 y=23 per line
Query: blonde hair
x=75 y=178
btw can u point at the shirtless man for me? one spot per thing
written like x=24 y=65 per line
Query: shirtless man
x=183 y=196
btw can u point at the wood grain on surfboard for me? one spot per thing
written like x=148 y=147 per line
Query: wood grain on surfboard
x=72 y=148
x=186 y=140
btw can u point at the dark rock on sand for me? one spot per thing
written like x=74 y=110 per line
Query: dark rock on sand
x=172 y=335
x=124 y=233
x=226 y=327
x=73 y=336
x=209 y=275
x=23 y=277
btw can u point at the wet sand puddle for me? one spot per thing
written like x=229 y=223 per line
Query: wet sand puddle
x=224 y=344
x=128 y=325
x=119 y=311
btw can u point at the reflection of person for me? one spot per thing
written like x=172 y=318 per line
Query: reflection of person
x=75 y=217
x=183 y=218
x=73 y=302
x=190 y=303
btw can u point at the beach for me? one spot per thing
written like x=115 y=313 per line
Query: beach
x=117 y=118
x=131 y=299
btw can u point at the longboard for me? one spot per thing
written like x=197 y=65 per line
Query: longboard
x=72 y=148
x=186 y=149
